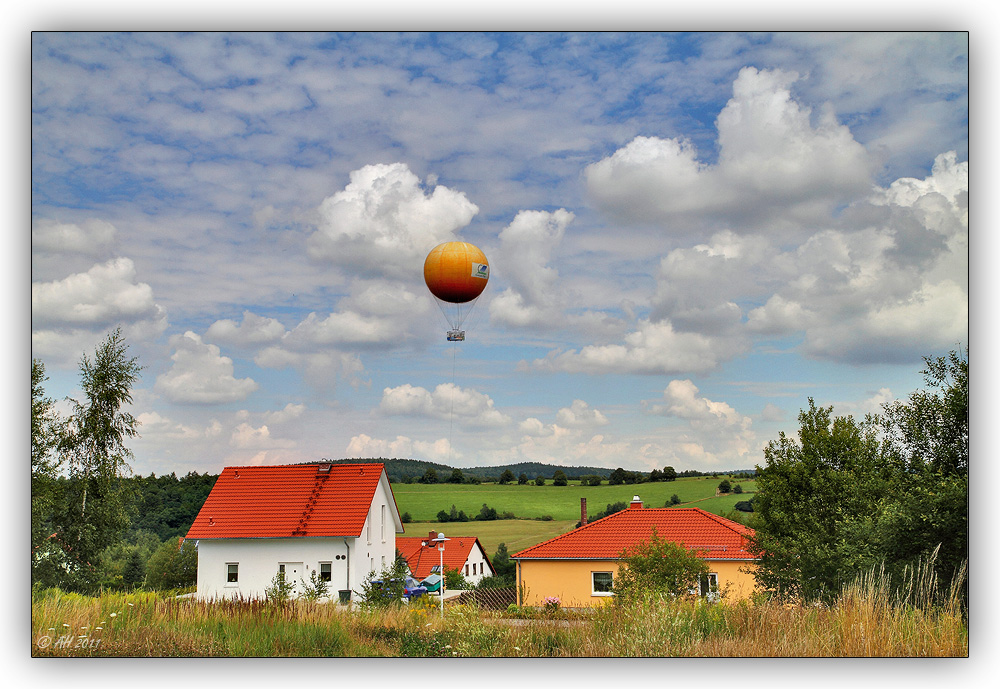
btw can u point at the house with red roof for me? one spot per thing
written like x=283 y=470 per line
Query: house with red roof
x=338 y=520
x=579 y=567
x=464 y=553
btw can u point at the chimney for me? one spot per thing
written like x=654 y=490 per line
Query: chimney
x=430 y=537
x=583 y=511
x=636 y=503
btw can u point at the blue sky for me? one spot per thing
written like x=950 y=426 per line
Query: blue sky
x=689 y=236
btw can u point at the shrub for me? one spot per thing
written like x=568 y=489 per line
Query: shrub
x=675 y=499
x=725 y=486
x=657 y=567
x=540 y=481
x=522 y=479
x=316 y=588
x=406 y=518
x=280 y=590
x=737 y=488
x=559 y=478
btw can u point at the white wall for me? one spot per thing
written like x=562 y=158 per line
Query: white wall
x=258 y=558
x=478 y=558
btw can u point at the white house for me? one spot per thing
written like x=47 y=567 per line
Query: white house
x=339 y=520
x=464 y=553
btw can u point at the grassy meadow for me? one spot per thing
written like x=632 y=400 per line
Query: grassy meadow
x=868 y=622
x=529 y=503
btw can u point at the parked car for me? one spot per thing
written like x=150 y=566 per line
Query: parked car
x=411 y=588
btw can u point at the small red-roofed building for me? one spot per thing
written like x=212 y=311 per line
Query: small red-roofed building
x=579 y=567
x=339 y=520
x=464 y=553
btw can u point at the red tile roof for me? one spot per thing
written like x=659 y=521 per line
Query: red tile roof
x=716 y=537
x=422 y=557
x=289 y=500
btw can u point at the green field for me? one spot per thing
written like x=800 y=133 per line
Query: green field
x=530 y=502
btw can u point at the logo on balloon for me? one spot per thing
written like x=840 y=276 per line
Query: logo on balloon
x=480 y=270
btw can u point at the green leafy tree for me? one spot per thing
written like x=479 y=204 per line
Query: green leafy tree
x=503 y=566
x=96 y=502
x=506 y=477
x=522 y=479
x=430 y=476
x=174 y=565
x=669 y=474
x=725 y=487
x=737 y=489
x=929 y=435
x=47 y=430
x=454 y=580
x=539 y=480
x=657 y=568
x=815 y=507
x=456 y=476
x=134 y=573
x=675 y=499
x=559 y=478
x=280 y=591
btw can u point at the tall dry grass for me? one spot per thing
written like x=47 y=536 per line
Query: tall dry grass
x=873 y=618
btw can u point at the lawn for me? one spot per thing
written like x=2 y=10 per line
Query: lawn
x=562 y=503
x=530 y=502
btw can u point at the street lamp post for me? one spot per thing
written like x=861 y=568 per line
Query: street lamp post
x=440 y=540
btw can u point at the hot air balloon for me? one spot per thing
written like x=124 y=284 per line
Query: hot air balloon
x=456 y=273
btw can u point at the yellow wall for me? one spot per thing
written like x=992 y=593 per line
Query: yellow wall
x=571 y=581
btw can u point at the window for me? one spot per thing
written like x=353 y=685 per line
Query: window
x=383 y=523
x=232 y=573
x=602 y=583
x=466 y=570
x=368 y=531
x=473 y=569
x=325 y=571
x=281 y=570
x=436 y=569
x=709 y=585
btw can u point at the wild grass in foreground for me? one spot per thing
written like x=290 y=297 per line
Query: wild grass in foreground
x=869 y=621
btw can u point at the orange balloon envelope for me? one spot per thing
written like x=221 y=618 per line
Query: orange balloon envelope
x=456 y=272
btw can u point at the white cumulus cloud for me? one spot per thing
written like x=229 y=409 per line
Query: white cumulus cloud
x=446 y=401
x=201 y=374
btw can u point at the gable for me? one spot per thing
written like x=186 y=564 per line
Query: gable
x=292 y=500
x=421 y=554
x=714 y=537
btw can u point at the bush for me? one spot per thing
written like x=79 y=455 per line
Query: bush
x=540 y=481
x=522 y=479
x=675 y=499
x=486 y=513
x=737 y=489
x=406 y=518
x=174 y=565
x=657 y=567
x=316 y=588
x=453 y=579
x=725 y=486
x=559 y=478
x=280 y=590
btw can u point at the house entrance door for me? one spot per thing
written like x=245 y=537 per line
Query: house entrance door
x=293 y=574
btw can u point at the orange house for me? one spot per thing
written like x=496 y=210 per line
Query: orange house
x=579 y=567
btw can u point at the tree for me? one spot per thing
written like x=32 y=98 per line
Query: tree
x=737 y=489
x=669 y=474
x=659 y=568
x=929 y=436
x=725 y=486
x=430 y=476
x=454 y=580
x=617 y=477
x=522 y=479
x=95 y=504
x=502 y=564
x=559 y=478
x=539 y=480
x=173 y=565
x=456 y=476
x=506 y=477
x=655 y=475
x=47 y=430
x=675 y=499
x=815 y=506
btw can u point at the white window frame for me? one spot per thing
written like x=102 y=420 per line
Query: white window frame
x=593 y=582
x=236 y=582
x=329 y=565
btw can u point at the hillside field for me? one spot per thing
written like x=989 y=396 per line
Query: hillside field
x=530 y=502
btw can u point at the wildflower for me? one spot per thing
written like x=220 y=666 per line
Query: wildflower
x=114 y=614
